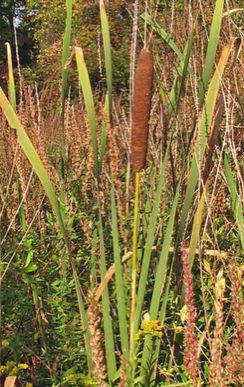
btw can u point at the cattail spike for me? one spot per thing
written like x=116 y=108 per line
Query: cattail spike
x=141 y=110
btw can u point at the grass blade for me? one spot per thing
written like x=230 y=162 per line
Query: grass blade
x=196 y=227
x=107 y=52
x=119 y=282
x=160 y=278
x=162 y=265
x=65 y=54
x=236 y=202
x=134 y=267
x=213 y=42
x=11 y=82
x=174 y=96
x=149 y=244
x=107 y=321
x=104 y=133
x=163 y=34
x=89 y=103
x=12 y=99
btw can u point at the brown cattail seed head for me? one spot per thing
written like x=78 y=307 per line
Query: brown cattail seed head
x=141 y=110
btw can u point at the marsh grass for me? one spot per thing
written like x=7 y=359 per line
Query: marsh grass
x=131 y=326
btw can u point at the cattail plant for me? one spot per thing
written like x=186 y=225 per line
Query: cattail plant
x=139 y=139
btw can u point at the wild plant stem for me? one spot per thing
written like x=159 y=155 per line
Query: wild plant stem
x=35 y=296
x=134 y=262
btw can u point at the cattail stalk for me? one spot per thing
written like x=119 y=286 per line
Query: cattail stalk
x=134 y=260
x=139 y=139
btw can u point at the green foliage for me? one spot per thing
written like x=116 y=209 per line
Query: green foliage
x=11 y=10
x=49 y=19
x=77 y=379
x=12 y=368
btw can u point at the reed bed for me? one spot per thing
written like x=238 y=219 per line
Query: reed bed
x=121 y=245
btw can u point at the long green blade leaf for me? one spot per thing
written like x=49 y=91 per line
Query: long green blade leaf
x=66 y=52
x=162 y=265
x=11 y=82
x=149 y=244
x=159 y=283
x=104 y=133
x=196 y=228
x=89 y=102
x=163 y=34
x=12 y=99
x=107 y=51
x=179 y=80
x=107 y=321
x=119 y=282
x=65 y=56
x=236 y=202
x=212 y=48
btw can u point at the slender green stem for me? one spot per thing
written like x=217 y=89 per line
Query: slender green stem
x=134 y=262
x=12 y=99
x=108 y=326
x=65 y=56
x=35 y=296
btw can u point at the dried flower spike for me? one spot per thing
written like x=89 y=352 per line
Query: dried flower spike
x=191 y=357
x=96 y=340
x=141 y=110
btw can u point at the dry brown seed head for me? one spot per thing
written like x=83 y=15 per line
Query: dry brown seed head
x=141 y=110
